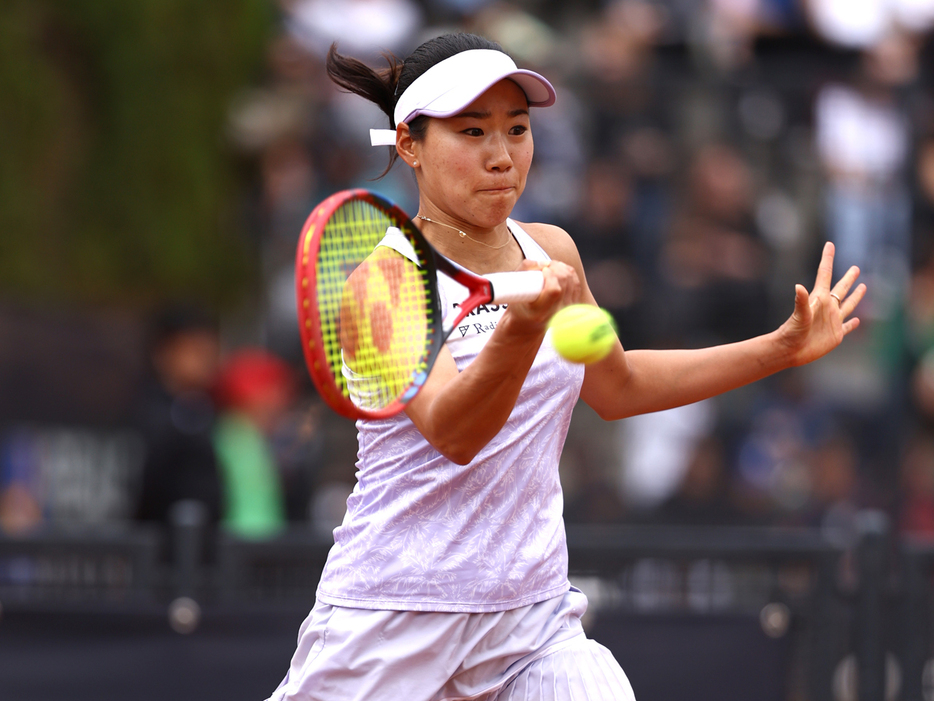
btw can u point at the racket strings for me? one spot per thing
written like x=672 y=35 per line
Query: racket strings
x=374 y=304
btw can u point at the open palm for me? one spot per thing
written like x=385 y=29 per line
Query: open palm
x=821 y=319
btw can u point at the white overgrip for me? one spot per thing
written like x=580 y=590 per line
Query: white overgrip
x=521 y=286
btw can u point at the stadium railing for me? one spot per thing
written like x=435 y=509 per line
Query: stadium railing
x=842 y=618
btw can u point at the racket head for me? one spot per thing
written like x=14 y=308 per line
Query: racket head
x=369 y=313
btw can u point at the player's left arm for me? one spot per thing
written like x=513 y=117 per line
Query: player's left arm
x=627 y=383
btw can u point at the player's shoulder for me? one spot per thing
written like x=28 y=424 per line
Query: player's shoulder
x=555 y=241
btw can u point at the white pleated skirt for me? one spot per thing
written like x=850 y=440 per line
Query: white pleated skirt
x=534 y=653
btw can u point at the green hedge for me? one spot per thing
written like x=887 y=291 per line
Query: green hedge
x=115 y=181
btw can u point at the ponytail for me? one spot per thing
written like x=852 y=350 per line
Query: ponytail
x=377 y=86
x=383 y=87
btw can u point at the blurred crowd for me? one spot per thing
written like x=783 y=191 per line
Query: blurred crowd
x=700 y=153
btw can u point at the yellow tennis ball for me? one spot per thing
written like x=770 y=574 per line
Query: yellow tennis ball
x=583 y=333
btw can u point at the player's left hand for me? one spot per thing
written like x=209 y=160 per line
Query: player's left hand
x=822 y=318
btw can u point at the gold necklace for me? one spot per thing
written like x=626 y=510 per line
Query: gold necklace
x=464 y=233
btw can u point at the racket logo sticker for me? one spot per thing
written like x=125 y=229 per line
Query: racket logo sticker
x=369 y=309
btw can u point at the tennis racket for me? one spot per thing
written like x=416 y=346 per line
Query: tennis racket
x=369 y=311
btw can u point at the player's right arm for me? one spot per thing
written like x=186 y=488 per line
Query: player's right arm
x=458 y=413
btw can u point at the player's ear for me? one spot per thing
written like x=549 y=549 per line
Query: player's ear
x=406 y=146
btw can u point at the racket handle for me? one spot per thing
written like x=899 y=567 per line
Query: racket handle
x=522 y=286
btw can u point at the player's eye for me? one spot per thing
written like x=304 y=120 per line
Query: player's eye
x=473 y=131
x=518 y=130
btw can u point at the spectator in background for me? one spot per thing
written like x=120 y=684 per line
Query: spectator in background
x=714 y=260
x=920 y=340
x=20 y=487
x=864 y=133
x=835 y=494
x=176 y=416
x=656 y=449
x=301 y=441
x=255 y=390
x=703 y=497
x=863 y=136
x=780 y=433
x=359 y=25
x=915 y=502
x=919 y=312
x=619 y=80
x=601 y=230
x=924 y=195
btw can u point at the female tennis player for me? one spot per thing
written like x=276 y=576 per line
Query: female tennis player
x=448 y=577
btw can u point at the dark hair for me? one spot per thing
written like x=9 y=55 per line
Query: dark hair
x=384 y=86
x=178 y=318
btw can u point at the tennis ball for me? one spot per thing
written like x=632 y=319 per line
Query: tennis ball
x=583 y=333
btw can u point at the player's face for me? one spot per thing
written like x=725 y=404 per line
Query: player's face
x=473 y=166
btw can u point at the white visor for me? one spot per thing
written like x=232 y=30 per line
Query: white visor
x=449 y=86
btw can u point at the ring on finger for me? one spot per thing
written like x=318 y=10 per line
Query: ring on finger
x=836 y=297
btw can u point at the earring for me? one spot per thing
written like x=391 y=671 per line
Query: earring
x=414 y=164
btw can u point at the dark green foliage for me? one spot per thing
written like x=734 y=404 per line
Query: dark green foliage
x=115 y=180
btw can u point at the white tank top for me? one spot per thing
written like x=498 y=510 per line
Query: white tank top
x=422 y=533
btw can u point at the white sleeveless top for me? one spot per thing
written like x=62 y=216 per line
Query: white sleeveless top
x=422 y=533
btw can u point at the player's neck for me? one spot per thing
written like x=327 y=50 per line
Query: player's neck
x=470 y=247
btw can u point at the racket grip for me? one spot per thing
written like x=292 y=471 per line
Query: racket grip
x=522 y=286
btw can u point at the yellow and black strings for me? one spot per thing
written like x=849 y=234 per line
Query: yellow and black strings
x=374 y=305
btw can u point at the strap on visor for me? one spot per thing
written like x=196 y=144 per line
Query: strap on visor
x=382 y=137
